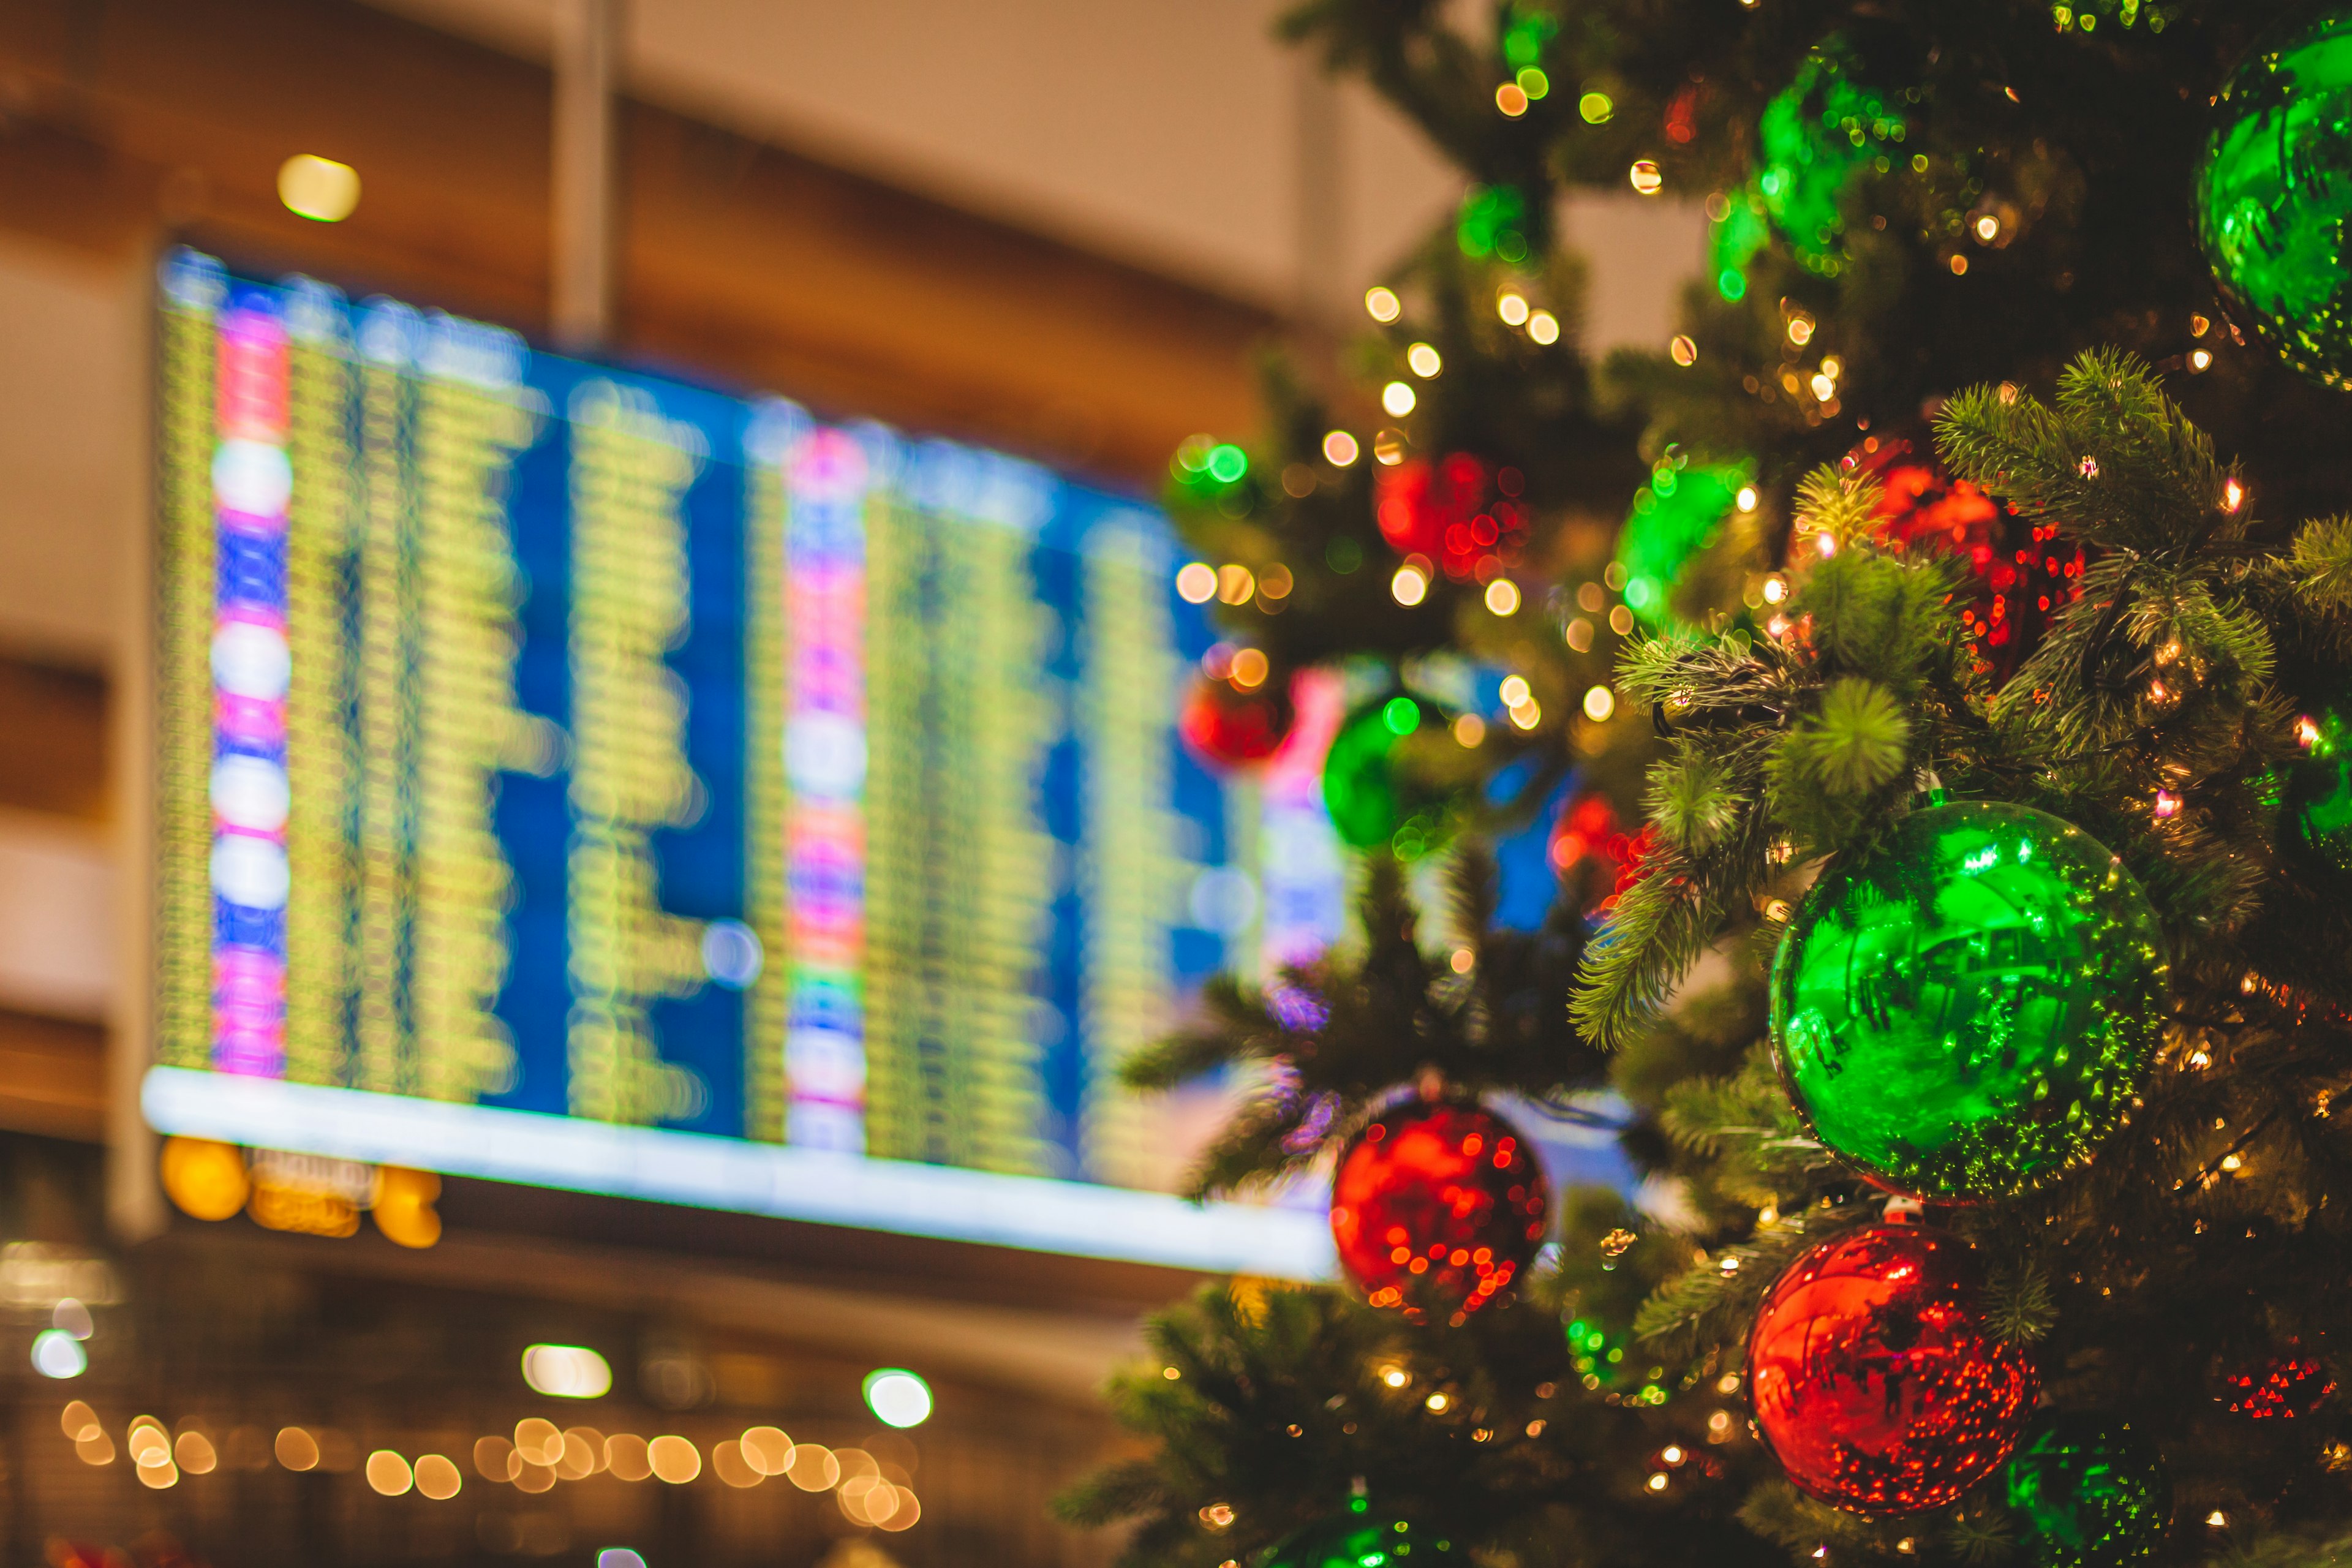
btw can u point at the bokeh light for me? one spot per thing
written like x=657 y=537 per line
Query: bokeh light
x=318 y=188
x=896 y=1397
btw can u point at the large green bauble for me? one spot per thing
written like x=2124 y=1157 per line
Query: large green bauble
x=1368 y=1539
x=1967 y=1009
x=1372 y=802
x=2276 y=189
x=2088 y=1493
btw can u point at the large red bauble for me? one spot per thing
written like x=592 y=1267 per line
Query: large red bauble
x=1231 y=729
x=1874 y=1377
x=1437 y=1206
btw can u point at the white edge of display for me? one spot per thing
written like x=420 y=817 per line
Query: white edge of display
x=532 y=1149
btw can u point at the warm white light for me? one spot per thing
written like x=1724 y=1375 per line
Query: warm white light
x=1339 y=448
x=566 y=1372
x=1776 y=588
x=1469 y=730
x=1423 y=361
x=437 y=1477
x=318 y=188
x=1515 y=691
x=1527 y=715
x=1196 y=583
x=1599 y=704
x=1398 y=399
x=1543 y=327
x=898 y=1397
x=2202 y=360
x=1513 y=308
x=1658 y=1481
x=1502 y=596
x=1646 y=176
x=1824 y=388
x=1986 y=227
x=1683 y=348
x=1408 y=587
x=388 y=1474
x=1746 y=499
x=1382 y=305
x=1437 y=1404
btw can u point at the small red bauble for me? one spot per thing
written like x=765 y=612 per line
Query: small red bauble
x=1874 y=1377
x=1229 y=729
x=2284 y=1388
x=1451 y=513
x=1437 y=1205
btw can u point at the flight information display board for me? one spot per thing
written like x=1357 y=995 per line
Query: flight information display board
x=575 y=777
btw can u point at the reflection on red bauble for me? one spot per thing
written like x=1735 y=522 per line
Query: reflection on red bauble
x=1229 y=729
x=1437 y=1206
x=2284 y=1388
x=1465 y=518
x=1874 y=1379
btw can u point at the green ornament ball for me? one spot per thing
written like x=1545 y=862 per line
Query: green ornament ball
x=2275 y=188
x=2319 y=798
x=1372 y=801
x=1364 y=1537
x=2088 y=1493
x=1968 y=1008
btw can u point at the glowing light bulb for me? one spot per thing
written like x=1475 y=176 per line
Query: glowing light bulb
x=1408 y=587
x=1746 y=499
x=1513 y=308
x=1502 y=596
x=1381 y=304
x=1423 y=361
x=318 y=188
x=1512 y=99
x=1543 y=326
x=1196 y=583
x=1398 y=399
x=1646 y=176
x=1339 y=448
x=1598 y=703
x=1684 y=350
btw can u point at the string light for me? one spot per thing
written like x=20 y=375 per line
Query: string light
x=1502 y=596
x=1543 y=327
x=1408 y=587
x=1513 y=308
x=1746 y=498
x=1423 y=361
x=1512 y=99
x=2200 y=361
x=1398 y=399
x=1646 y=177
x=1682 y=349
x=1600 y=702
x=1381 y=304
x=1339 y=448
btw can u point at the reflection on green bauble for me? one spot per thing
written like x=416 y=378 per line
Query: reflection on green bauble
x=2088 y=1493
x=2319 y=792
x=1362 y=1538
x=1373 y=800
x=1968 y=1008
x=2276 y=187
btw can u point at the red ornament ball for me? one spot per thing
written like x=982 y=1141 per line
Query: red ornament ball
x=1459 y=514
x=2284 y=1388
x=1874 y=1380
x=1229 y=729
x=1437 y=1206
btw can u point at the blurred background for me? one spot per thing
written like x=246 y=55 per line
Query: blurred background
x=1053 y=235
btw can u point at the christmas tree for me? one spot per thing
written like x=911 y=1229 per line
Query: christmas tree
x=1929 y=676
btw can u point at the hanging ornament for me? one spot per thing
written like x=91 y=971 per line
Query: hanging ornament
x=1364 y=1537
x=2088 y=1493
x=1437 y=1205
x=1968 y=1008
x=2284 y=1388
x=2020 y=575
x=2318 y=800
x=1678 y=514
x=1874 y=1380
x=1373 y=801
x=1228 y=729
x=1456 y=512
x=1822 y=134
x=2275 y=188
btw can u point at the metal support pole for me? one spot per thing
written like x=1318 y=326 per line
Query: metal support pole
x=587 y=68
